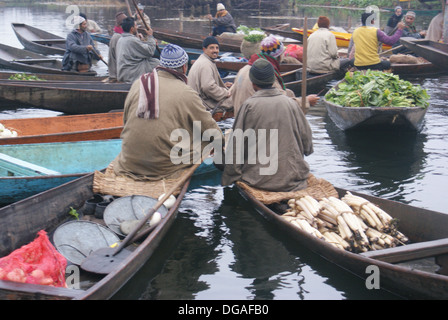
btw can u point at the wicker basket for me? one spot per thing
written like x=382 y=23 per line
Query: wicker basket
x=121 y=186
x=317 y=188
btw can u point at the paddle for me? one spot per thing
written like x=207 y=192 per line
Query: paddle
x=304 y=61
x=105 y=260
x=98 y=55
x=144 y=22
x=395 y=48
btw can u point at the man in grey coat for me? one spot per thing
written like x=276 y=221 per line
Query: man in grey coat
x=79 y=48
x=270 y=138
x=134 y=56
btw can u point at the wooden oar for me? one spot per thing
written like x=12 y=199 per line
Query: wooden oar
x=304 y=61
x=395 y=48
x=98 y=55
x=144 y=22
x=105 y=260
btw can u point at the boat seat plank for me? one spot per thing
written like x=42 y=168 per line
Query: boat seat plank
x=411 y=251
x=35 y=60
x=50 y=41
x=23 y=168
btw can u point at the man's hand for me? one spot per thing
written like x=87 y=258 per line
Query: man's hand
x=312 y=99
x=209 y=16
x=228 y=84
x=89 y=47
x=401 y=25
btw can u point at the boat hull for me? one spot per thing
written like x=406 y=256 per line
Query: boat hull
x=418 y=224
x=435 y=52
x=348 y=118
x=33 y=39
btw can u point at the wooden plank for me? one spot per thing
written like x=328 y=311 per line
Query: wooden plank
x=34 y=60
x=50 y=41
x=23 y=168
x=410 y=251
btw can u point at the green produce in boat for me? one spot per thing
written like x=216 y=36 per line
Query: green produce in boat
x=377 y=89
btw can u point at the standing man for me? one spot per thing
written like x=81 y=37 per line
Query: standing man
x=366 y=40
x=138 y=19
x=112 y=62
x=134 y=56
x=275 y=136
x=222 y=22
x=204 y=78
x=80 y=48
x=153 y=112
x=272 y=50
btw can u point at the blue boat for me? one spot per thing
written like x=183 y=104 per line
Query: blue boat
x=28 y=169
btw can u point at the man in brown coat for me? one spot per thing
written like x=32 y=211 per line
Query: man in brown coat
x=163 y=132
x=204 y=78
x=270 y=138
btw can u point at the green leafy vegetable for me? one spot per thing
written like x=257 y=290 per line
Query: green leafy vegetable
x=251 y=34
x=74 y=213
x=377 y=89
x=24 y=76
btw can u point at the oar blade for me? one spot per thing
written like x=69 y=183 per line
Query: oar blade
x=103 y=261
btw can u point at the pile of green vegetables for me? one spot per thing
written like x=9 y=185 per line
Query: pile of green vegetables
x=25 y=77
x=377 y=89
x=251 y=34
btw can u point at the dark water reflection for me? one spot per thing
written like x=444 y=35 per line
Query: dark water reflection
x=219 y=247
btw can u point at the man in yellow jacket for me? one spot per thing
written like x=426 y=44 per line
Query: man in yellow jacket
x=366 y=41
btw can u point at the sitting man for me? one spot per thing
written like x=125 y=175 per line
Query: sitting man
x=222 y=22
x=270 y=138
x=322 y=49
x=366 y=40
x=272 y=50
x=409 y=31
x=154 y=112
x=80 y=48
x=204 y=78
x=134 y=56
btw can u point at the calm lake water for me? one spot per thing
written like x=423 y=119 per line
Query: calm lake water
x=219 y=248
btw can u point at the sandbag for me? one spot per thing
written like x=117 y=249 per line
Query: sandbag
x=37 y=262
x=248 y=48
x=403 y=59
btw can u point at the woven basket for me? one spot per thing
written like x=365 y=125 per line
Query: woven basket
x=317 y=188
x=121 y=186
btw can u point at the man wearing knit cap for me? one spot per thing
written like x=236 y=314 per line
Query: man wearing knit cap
x=134 y=56
x=322 y=49
x=222 y=22
x=205 y=79
x=112 y=62
x=158 y=105
x=272 y=50
x=366 y=40
x=281 y=132
x=409 y=31
x=80 y=48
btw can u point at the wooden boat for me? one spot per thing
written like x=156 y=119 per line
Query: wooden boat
x=70 y=97
x=235 y=66
x=103 y=38
x=283 y=30
x=37 y=40
x=435 y=52
x=27 y=169
x=342 y=38
x=97 y=126
x=314 y=84
x=28 y=61
x=347 y=118
x=191 y=40
x=5 y=75
x=350 y=118
x=52 y=207
x=426 y=230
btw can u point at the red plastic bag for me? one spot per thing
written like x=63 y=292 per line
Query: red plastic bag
x=295 y=51
x=37 y=262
